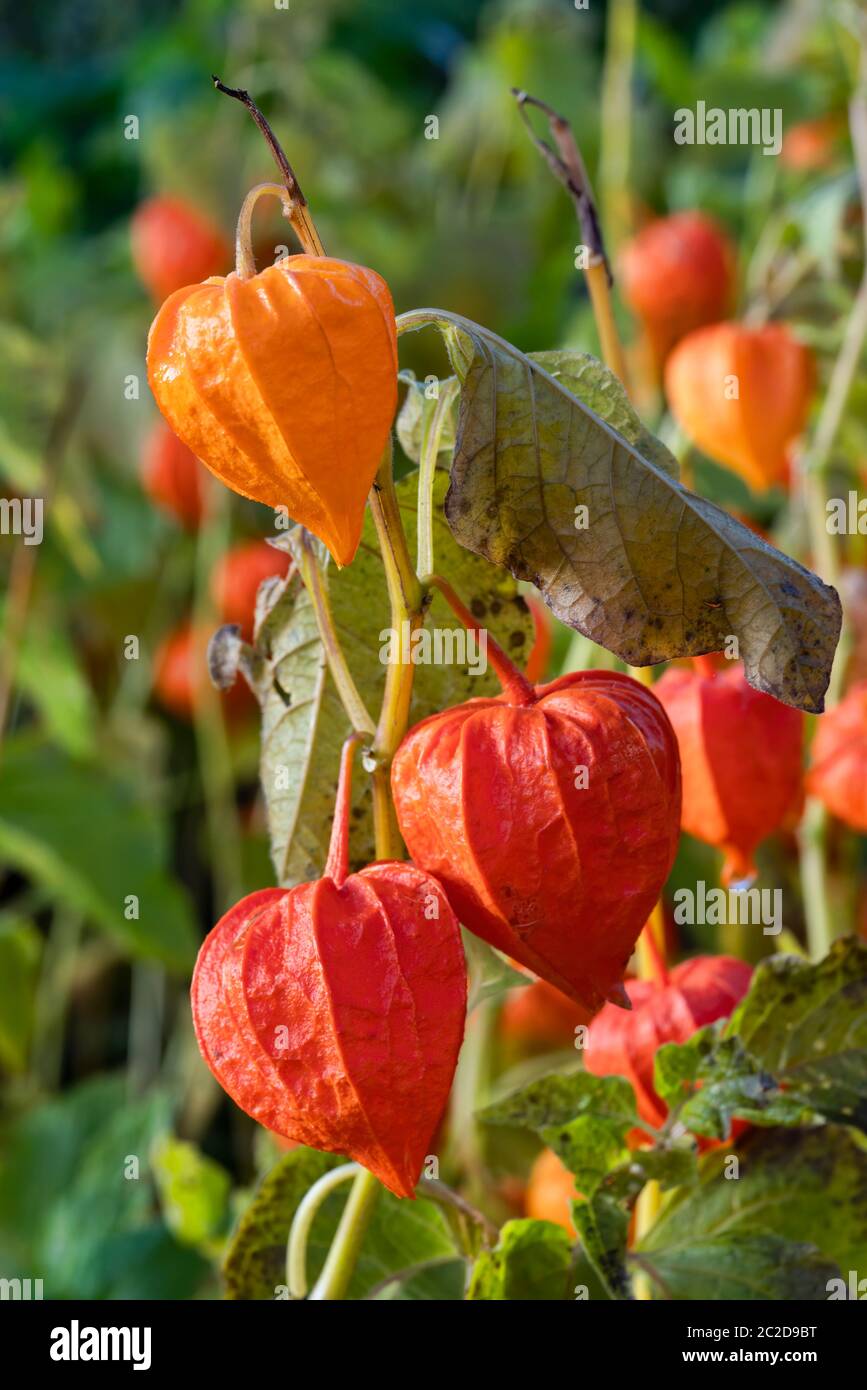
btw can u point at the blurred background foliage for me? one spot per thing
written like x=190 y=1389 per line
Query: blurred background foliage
x=117 y=1147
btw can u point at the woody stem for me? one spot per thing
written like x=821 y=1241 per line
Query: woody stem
x=567 y=165
x=514 y=682
x=301 y=220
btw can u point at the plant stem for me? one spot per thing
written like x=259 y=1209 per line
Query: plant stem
x=23 y=568
x=301 y=220
x=471 y=1078
x=430 y=448
x=568 y=166
x=351 y=700
x=245 y=261
x=814 y=827
x=603 y=312
x=812 y=841
x=514 y=682
x=406 y=597
x=646 y=1211
x=52 y=997
x=616 y=122
x=342 y=1258
x=299 y=1232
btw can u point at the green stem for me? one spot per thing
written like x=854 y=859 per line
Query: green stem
x=299 y=1233
x=430 y=448
x=245 y=261
x=146 y=1014
x=468 y=1090
x=52 y=997
x=351 y=700
x=406 y=597
x=814 y=827
x=615 y=151
x=342 y=1258
x=813 y=836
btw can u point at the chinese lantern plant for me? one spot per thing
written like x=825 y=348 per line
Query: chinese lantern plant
x=668 y=1008
x=237 y=577
x=691 y=1083
x=333 y=1012
x=175 y=244
x=742 y=395
x=838 y=760
x=172 y=477
x=582 y=777
x=543 y=817
x=676 y=275
x=742 y=759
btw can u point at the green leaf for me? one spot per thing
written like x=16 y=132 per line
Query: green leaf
x=401 y=1233
x=193 y=1191
x=491 y=976
x=441 y=1280
x=531 y=1260
x=673 y=1165
x=585 y=376
x=602 y=1219
x=804 y=1186
x=20 y=953
x=69 y=1189
x=49 y=673
x=658 y=572
x=596 y=386
x=46 y=801
x=303 y=723
x=603 y=1225
x=557 y=1099
x=583 y=1118
x=807 y=1025
x=710 y=1079
x=747 y=1267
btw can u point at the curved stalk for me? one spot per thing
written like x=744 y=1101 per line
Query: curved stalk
x=299 y=1231
x=356 y=710
x=514 y=682
x=303 y=223
x=245 y=261
x=426 y=472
